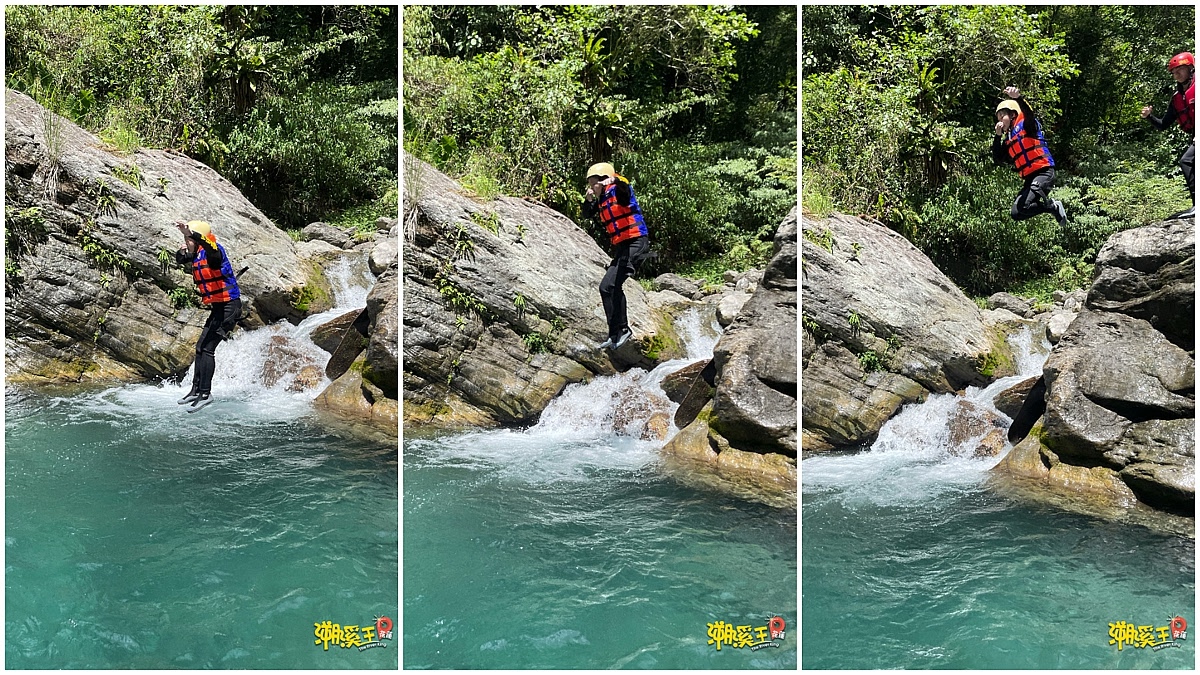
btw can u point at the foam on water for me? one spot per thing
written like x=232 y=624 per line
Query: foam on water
x=240 y=365
x=912 y=461
x=591 y=426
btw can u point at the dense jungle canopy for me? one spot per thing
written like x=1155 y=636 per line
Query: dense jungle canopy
x=897 y=117
x=695 y=105
x=295 y=105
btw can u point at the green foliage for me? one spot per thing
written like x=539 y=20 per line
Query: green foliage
x=302 y=297
x=299 y=98
x=898 y=117
x=183 y=297
x=489 y=221
x=130 y=174
x=536 y=342
x=871 y=361
x=684 y=99
x=456 y=297
x=824 y=238
x=519 y=303
x=313 y=153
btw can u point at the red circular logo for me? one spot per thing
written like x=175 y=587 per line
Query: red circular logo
x=775 y=625
x=383 y=625
x=1178 y=624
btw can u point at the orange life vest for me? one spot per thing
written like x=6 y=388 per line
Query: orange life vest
x=621 y=222
x=214 y=285
x=1029 y=154
x=1185 y=107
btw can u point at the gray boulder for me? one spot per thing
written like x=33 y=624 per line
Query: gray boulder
x=327 y=233
x=502 y=309
x=673 y=282
x=1010 y=302
x=93 y=298
x=756 y=388
x=1149 y=273
x=889 y=310
x=1113 y=385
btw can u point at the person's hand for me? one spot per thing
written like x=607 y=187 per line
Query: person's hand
x=1146 y=111
x=1012 y=92
x=999 y=128
x=182 y=226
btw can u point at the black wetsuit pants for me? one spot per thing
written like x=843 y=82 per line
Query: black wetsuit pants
x=1034 y=197
x=221 y=319
x=627 y=256
x=1187 y=162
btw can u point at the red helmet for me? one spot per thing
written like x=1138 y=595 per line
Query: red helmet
x=1182 y=59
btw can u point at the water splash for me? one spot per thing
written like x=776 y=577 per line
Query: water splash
x=257 y=369
x=591 y=426
x=913 y=459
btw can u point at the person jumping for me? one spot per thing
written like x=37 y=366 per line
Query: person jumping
x=1019 y=142
x=218 y=287
x=1182 y=110
x=609 y=197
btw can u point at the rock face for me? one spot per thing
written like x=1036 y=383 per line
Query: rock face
x=501 y=309
x=88 y=294
x=1120 y=383
x=755 y=401
x=882 y=327
x=1150 y=273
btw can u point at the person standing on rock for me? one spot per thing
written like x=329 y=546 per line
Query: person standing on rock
x=1182 y=110
x=1019 y=142
x=218 y=288
x=609 y=197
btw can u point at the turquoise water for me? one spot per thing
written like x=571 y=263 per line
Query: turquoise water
x=936 y=572
x=572 y=549
x=138 y=536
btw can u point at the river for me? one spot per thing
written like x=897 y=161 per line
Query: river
x=140 y=536
x=910 y=561
x=567 y=545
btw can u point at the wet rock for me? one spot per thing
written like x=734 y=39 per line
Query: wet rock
x=468 y=262
x=308 y=378
x=383 y=256
x=677 y=385
x=283 y=359
x=844 y=405
x=353 y=397
x=1094 y=487
x=329 y=335
x=1010 y=400
x=692 y=443
x=864 y=283
x=327 y=233
x=975 y=431
x=1011 y=303
x=657 y=427
x=1159 y=463
x=383 y=345
x=634 y=408
x=1110 y=371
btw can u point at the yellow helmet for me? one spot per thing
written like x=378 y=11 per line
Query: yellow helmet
x=1009 y=104
x=204 y=229
x=601 y=169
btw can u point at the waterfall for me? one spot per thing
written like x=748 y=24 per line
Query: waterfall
x=591 y=426
x=912 y=460
x=249 y=358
